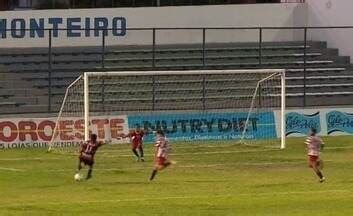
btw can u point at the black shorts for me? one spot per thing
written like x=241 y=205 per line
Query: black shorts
x=87 y=159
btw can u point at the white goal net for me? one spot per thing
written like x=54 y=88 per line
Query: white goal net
x=205 y=106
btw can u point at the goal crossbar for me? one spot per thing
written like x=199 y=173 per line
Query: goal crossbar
x=183 y=72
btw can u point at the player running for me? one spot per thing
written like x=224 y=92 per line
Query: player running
x=161 y=154
x=136 y=139
x=87 y=151
x=314 y=145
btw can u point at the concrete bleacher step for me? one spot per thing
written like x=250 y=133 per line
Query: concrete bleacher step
x=329 y=76
x=311 y=79
x=339 y=79
x=97 y=62
x=29 y=108
x=65 y=75
x=168 y=48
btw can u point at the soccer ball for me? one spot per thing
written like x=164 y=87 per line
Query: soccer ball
x=77 y=177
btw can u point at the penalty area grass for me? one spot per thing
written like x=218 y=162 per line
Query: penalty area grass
x=214 y=178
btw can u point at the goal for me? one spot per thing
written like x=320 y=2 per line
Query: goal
x=199 y=106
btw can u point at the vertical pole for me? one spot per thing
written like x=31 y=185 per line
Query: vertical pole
x=49 y=70
x=260 y=46
x=153 y=66
x=103 y=48
x=86 y=104
x=153 y=92
x=153 y=48
x=283 y=110
x=304 y=81
x=260 y=96
x=204 y=47
x=204 y=66
x=103 y=94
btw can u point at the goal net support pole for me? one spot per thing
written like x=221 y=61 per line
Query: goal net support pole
x=86 y=104
x=283 y=109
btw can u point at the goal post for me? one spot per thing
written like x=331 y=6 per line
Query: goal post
x=246 y=99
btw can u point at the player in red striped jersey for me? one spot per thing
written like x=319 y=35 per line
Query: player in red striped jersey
x=136 y=139
x=161 y=155
x=314 y=145
x=87 y=151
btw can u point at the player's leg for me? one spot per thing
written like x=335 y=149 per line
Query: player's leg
x=320 y=164
x=314 y=162
x=161 y=164
x=141 y=153
x=159 y=161
x=153 y=174
x=134 y=150
x=79 y=164
x=90 y=170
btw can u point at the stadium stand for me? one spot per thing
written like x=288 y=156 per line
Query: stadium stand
x=25 y=78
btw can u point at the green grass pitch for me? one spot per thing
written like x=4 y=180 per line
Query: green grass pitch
x=209 y=179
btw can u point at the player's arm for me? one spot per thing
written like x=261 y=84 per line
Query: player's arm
x=125 y=135
x=157 y=144
x=105 y=142
x=82 y=148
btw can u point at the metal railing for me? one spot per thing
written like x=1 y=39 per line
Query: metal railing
x=75 y=4
x=204 y=46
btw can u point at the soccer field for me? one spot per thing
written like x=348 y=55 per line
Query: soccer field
x=209 y=179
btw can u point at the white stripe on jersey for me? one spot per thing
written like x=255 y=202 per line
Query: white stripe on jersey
x=162 y=145
x=313 y=144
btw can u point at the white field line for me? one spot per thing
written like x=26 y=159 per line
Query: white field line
x=11 y=169
x=265 y=194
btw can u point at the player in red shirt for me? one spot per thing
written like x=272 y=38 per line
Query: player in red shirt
x=314 y=145
x=87 y=151
x=161 y=155
x=136 y=139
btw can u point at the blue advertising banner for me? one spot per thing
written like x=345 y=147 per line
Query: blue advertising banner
x=206 y=126
x=339 y=122
x=301 y=123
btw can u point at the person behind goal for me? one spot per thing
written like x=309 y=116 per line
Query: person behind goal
x=314 y=145
x=161 y=154
x=87 y=151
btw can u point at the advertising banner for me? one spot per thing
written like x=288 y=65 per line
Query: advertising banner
x=299 y=123
x=207 y=126
x=339 y=121
x=38 y=132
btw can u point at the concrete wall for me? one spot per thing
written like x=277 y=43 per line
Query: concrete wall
x=182 y=17
x=332 y=13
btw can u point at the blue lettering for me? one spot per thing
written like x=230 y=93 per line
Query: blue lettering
x=119 y=26
x=100 y=24
x=55 y=22
x=3 y=25
x=18 y=32
x=72 y=25
x=36 y=28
